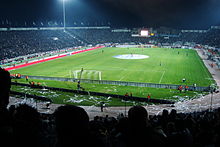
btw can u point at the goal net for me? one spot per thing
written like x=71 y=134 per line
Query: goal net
x=87 y=74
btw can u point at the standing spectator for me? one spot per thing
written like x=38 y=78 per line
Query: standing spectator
x=180 y=88
x=26 y=77
x=72 y=126
x=186 y=88
x=148 y=96
x=194 y=86
x=5 y=85
x=140 y=131
x=27 y=126
x=78 y=85
x=102 y=104
x=126 y=94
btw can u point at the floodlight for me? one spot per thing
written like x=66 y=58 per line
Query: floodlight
x=64 y=15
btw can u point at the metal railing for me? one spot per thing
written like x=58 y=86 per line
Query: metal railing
x=125 y=98
x=121 y=83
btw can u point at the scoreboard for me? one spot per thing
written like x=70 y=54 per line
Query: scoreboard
x=144 y=32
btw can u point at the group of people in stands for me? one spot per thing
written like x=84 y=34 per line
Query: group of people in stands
x=70 y=125
x=20 y=43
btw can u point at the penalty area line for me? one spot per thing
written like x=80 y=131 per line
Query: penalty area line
x=121 y=78
x=162 y=77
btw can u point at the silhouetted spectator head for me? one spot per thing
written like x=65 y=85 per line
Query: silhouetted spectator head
x=27 y=126
x=5 y=85
x=165 y=113
x=71 y=125
x=5 y=119
x=6 y=130
x=140 y=132
x=28 y=114
x=138 y=115
x=173 y=114
x=122 y=125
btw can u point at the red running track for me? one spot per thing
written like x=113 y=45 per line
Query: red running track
x=52 y=58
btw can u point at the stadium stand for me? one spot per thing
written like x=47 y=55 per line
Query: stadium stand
x=20 y=43
x=16 y=43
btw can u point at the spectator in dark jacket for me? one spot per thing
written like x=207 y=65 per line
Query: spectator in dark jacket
x=71 y=126
x=5 y=85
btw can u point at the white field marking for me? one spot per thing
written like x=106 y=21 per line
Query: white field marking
x=68 y=75
x=44 y=84
x=162 y=76
x=121 y=78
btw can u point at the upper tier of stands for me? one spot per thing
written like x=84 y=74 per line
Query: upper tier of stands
x=19 y=42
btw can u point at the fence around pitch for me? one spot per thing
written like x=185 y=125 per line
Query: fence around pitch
x=121 y=83
x=125 y=98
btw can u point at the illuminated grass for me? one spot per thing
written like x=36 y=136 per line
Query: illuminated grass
x=165 y=66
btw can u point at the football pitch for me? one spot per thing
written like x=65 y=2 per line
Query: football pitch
x=163 y=66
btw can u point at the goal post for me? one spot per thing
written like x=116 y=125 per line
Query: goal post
x=87 y=74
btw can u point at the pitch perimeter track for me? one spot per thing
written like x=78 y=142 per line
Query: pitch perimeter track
x=52 y=58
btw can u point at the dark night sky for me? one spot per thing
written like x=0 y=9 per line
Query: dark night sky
x=195 y=14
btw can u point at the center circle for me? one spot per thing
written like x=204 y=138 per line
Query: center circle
x=131 y=56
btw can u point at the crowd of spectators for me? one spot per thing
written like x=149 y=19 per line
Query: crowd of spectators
x=69 y=125
x=211 y=38
x=100 y=36
x=19 y=43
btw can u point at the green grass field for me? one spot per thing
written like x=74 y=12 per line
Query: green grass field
x=165 y=66
x=173 y=68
